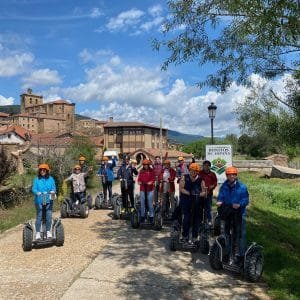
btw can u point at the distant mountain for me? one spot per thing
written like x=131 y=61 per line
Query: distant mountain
x=10 y=109
x=183 y=138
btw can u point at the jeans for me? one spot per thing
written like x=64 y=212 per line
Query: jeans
x=149 y=203
x=78 y=196
x=107 y=186
x=191 y=215
x=39 y=215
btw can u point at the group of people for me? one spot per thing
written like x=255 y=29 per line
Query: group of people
x=156 y=182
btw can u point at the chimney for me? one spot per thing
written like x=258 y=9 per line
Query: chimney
x=111 y=119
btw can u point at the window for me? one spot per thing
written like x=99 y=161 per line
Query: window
x=9 y=135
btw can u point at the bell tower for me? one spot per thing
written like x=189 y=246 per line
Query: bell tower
x=28 y=99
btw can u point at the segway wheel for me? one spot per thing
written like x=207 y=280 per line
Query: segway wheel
x=134 y=219
x=173 y=244
x=89 y=201
x=158 y=221
x=60 y=235
x=84 y=211
x=63 y=210
x=254 y=266
x=204 y=246
x=117 y=212
x=27 y=239
x=214 y=257
x=97 y=202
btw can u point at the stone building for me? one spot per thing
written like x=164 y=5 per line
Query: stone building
x=90 y=126
x=33 y=105
x=126 y=137
x=3 y=118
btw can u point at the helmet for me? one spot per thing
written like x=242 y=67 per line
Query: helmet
x=77 y=167
x=146 y=162
x=180 y=158
x=82 y=158
x=105 y=158
x=231 y=170
x=194 y=167
x=167 y=162
x=133 y=161
x=44 y=166
x=206 y=162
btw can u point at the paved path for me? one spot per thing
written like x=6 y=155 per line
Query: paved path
x=137 y=264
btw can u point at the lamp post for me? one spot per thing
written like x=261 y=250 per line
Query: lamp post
x=212 y=113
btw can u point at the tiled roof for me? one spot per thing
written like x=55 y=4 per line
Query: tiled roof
x=2 y=114
x=130 y=124
x=19 y=130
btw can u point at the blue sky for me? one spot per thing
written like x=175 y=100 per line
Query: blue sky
x=98 y=55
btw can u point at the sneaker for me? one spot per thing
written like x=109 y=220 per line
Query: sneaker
x=209 y=223
x=38 y=236
x=123 y=210
x=77 y=202
x=49 y=234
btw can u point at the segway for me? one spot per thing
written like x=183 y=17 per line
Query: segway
x=89 y=200
x=135 y=217
x=176 y=242
x=121 y=212
x=101 y=203
x=167 y=214
x=222 y=253
x=57 y=230
x=74 y=208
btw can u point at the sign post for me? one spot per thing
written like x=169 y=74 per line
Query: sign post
x=220 y=157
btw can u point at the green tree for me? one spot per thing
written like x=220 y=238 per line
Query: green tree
x=197 y=148
x=240 y=37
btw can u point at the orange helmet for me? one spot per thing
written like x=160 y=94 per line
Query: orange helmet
x=105 y=158
x=194 y=167
x=180 y=158
x=146 y=162
x=231 y=170
x=77 y=167
x=82 y=158
x=44 y=166
x=167 y=162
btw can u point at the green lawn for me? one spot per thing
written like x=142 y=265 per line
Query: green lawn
x=274 y=222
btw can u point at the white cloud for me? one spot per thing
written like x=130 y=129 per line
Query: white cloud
x=6 y=101
x=41 y=77
x=96 y=13
x=155 y=10
x=134 y=93
x=152 y=24
x=15 y=64
x=125 y=19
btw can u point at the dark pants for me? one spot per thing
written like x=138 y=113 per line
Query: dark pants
x=191 y=215
x=125 y=193
x=78 y=196
x=39 y=215
x=107 y=186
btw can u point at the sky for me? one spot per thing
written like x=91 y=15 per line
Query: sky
x=98 y=55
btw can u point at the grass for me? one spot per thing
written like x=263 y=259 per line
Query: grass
x=274 y=222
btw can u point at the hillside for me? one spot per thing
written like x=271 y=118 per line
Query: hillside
x=183 y=138
x=10 y=109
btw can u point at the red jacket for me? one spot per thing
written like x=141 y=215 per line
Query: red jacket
x=210 y=180
x=170 y=180
x=157 y=168
x=144 y=177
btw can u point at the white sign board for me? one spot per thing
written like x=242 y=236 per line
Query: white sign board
x=220 y=157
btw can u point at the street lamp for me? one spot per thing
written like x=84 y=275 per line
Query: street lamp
x=212 y=113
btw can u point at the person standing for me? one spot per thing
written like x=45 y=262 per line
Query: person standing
x=157 y=169
x=181 y=169
x=167 y=187
x=146 y=180
x=44 y=189
x=125 y=174
x=210 y=180
x=107 y=176
x=234 y=194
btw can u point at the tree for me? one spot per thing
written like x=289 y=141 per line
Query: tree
x=239 y=36
x=197 y=148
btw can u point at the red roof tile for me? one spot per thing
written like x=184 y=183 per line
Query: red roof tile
x=19 y=130
x=2 y=114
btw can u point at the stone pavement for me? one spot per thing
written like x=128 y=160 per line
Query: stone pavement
x=137 y=264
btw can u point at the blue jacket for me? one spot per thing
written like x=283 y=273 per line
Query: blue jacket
x=41 y=185
x=238 y=194
x=107 y=170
